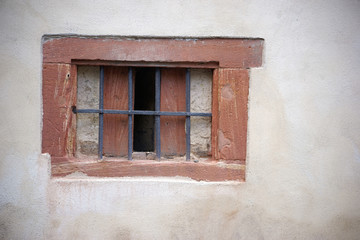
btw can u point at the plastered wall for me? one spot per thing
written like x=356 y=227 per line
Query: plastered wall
x=303 y=159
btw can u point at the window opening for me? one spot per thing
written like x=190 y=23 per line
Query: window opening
x=144 y=100
x=131 y=112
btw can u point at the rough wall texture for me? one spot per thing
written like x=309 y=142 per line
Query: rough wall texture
x=200 y=90
x=87 y=125
x=303 y=157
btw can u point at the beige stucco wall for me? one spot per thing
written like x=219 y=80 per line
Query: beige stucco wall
x=303 y=160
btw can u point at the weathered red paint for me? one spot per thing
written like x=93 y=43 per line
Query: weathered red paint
x=233 y=91
x=234 y=53
x=202 y=171
x=59 y=123
x=215 y=115
x=115 y=133
x=173 y=100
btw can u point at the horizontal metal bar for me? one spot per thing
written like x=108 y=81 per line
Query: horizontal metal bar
x=141 y=112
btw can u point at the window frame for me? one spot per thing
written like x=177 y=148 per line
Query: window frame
x=230 y=58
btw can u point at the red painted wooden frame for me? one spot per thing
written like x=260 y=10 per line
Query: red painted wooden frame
x=230 y=59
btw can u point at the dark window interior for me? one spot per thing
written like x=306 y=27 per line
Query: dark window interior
x=144 y=100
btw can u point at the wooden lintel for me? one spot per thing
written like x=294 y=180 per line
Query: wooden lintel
x=233 y=52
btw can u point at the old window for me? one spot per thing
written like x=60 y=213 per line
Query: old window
x=121 y=136
x=229 y=59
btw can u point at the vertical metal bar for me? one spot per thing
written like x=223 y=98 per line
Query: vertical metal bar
x=130 y=116
x=187 y=123
x=101 y=114
x=157 y=117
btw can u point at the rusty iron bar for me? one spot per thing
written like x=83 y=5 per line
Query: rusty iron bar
x=101 y=113
x=130 y=116
x=187 y=123
x=157 y=108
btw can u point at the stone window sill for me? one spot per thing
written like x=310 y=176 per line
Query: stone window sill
x=201 y=171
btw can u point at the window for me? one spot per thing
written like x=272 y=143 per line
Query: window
x=174 y=84
x=229 y=59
